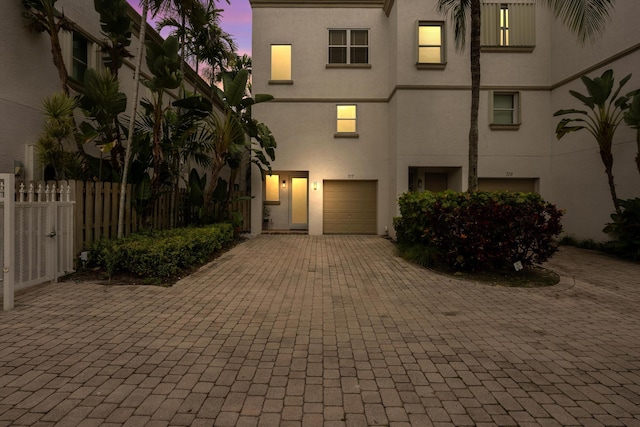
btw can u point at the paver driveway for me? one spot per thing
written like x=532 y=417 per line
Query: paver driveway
x=313 y=330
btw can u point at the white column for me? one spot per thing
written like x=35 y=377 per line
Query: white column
x=9 y=240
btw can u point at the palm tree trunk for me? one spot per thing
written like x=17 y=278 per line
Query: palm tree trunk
x=156 y=151
x=475 y=95
x=233 y=176
x=216 y=168
x=58 y=61
x=132 y=121
x=638 y=154
x=607 y=159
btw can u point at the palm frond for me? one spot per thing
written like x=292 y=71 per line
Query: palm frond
x=586 y=18
x=458 y=12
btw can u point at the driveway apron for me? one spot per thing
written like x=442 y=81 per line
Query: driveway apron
x=293 y=330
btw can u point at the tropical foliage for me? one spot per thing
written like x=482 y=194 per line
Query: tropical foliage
x=162 y=143
x=625 y=229
x=604 y=112
x=479 y=230
x=586 y=18
x=632 y=118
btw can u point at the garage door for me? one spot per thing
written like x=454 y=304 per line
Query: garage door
x=350 y=207
x=525 y=185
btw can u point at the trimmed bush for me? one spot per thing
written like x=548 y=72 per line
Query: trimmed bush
x=625 y=229
x=161 y=254
x=481 y=230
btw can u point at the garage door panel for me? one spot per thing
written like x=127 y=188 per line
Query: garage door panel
x=350 y=207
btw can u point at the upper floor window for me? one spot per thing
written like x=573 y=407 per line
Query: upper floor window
x=430 y=43
x=80 y=57
x=79 y=54
x=508 y=25
x=348 y=46
x=346 y=121
x=505 y=110
x=280 y=63
x=504 y=25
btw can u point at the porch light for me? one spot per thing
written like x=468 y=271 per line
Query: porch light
x=315 y=185
x=284 y=184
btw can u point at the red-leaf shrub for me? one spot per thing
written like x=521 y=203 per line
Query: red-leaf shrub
x=481 y=230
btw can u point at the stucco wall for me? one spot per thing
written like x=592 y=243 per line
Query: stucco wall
x=580 y=184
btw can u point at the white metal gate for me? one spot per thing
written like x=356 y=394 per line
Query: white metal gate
x=37 y=234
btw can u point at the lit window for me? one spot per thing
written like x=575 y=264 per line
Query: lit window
x=504 y=25
x=281 y=62
x=346 y=119
x=272 y=189
x=80 y=57
x=509 y=25
x=430 y=36
x=348 y=46
x=505 y=109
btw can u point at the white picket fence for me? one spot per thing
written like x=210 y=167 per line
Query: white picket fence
x=37 y=235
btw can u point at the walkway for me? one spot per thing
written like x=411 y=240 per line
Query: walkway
x=327 y=330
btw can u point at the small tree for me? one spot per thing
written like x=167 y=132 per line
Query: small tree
x=58 y=129
x=632 y=118
x=163 y=62
x=605 y=112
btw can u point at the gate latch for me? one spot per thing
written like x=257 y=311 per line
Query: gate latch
x=52 y=234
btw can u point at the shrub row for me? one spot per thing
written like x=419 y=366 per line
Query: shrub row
x=161 y=254
x=625 y=229
x=480 y=230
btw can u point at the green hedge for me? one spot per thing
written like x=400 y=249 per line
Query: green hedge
x=481 y=230
x=625 y=229
x=161 y=254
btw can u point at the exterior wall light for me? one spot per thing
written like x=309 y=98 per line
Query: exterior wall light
x=284 y=184
x=315 y=185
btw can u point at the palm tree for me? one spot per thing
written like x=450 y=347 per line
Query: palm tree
x=605 y=111
x=586 y=18
x=134 y=107
x=42 y=16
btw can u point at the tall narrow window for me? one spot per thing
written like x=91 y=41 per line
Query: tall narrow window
x=359 y=51
x=80 y=57
x=346 y=122
x=272 y=189
x=281 y=62
x=348 y=46
x=430 y=48
x=504 y=25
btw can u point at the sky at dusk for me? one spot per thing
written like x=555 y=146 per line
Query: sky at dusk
x=236 y=20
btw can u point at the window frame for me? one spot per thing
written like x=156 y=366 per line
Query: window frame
x=431 y=65
x=289 y=81
x=348 y=47
x=86 y=61
x=94 y=56
x=354 y=119
x=516 y=111
x=503 y=26
x=516 y=35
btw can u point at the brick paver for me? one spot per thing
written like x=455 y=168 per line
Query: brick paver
x=333 y=330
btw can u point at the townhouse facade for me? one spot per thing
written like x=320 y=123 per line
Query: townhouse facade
x=373 y=100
